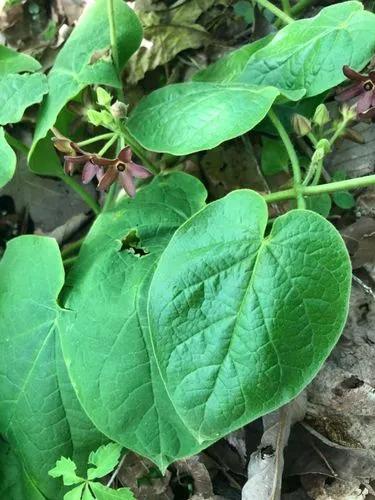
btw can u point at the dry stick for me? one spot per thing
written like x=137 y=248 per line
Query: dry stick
x=114 y=475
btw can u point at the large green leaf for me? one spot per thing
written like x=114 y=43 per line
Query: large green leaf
x=8 y=160
x=75 y=67
x=104 y=330
x=188 y=117
x=241 y=322
x=39 y=413
x=232 y=65
x=18 y=92
x=309 y=54
x=14 y=481
x=16 y=62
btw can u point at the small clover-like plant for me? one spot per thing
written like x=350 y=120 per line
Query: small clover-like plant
x=104 y=460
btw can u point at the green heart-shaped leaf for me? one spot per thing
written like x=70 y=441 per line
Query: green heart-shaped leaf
x=104 y=332
x=310 y=53
x=241 y=322
x=188 y=117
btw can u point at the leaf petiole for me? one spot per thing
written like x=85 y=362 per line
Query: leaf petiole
x=98 y=138
x=276 y=11
x=331 y=187
x=108 y=144
x=293 y=158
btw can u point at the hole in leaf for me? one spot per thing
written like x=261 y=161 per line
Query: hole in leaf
x=132 y=244
x=267 y=451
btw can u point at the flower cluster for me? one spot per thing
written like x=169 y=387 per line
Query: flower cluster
x=106 y=170
x=363 y=88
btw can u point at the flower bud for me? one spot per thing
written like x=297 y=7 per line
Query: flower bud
x=103 y=98
x=322 y=148
x=301 y=125
x=98 y=118
x=119 y=110
x=321 y=115
x=63 y=145
x=348 y=113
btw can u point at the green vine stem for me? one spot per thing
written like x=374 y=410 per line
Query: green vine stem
x=331 y=187
x=86 y=197
x=71 y=248
x=97 y=138
x=286 y=7
x=301 y=6
x=297 y=176
x=275 y=11
x=69 y=261
x=108 y=144
x=16 y=144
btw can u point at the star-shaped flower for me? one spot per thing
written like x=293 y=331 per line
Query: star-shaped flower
x=363 y=88
x=123 y=169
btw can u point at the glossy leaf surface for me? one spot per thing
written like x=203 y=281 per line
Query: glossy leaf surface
x=309 y=54
x=104 y=329
x=82 y=61
x=240 y=322
x=188 y=117
x=39 y=413
x=18 y=92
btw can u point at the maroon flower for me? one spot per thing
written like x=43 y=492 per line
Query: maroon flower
x=76 y=156
x=106 y=170
x=363 y=88
x=123 y=169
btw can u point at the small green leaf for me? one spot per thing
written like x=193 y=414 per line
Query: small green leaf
x=244 y=9
x=105 y=460
x=77 y=493
x=229 y=67
x=18 y=92
x=103 y=493
x=16 y=62
x=344 y=199
x=80 y=63
x=194 y=116
x=241 y=322
x=320 y=204
x=66 y=468
x=310 y=53
x=8 y=160
x=274 y=158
